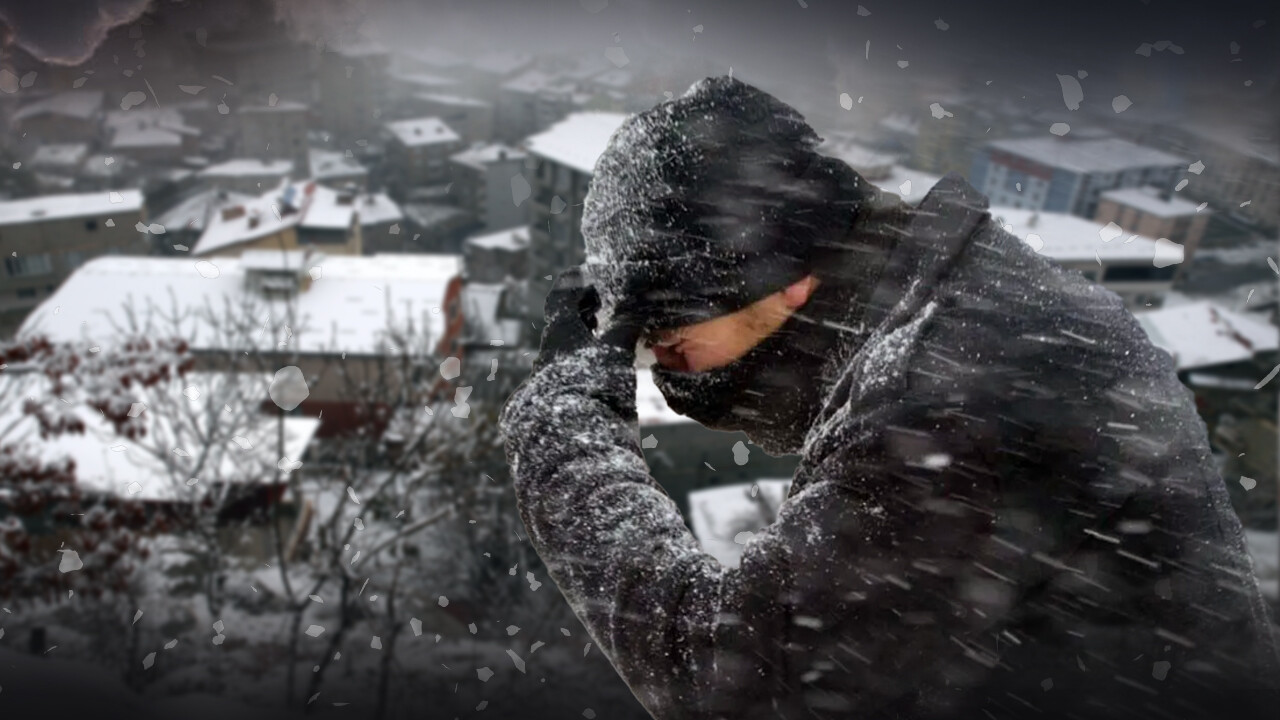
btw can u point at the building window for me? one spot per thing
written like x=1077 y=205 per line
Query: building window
x=26 y=293
x=1139 y=273
x=26 y=265
x=90 y=225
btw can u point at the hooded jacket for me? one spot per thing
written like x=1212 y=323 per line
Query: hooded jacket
x=1006 y=507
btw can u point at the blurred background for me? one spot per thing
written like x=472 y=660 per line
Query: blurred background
x=272 y=266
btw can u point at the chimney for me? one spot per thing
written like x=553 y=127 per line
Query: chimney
x=254 y=218
x=232 y=213
x=1166 y=193
x=1035 y=218
x=502 y=154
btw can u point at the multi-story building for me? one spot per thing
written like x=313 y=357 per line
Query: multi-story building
x=565 y=157
x=483 y=176
x=276 y=132
x=353 y=86
x=293 y=216
x=418 y=153
x=1155 y=213
x=44 y=239
x=1065 y=175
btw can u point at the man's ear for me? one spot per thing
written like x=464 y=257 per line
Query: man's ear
x=798 y=293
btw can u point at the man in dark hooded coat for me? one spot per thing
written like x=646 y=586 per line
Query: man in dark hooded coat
x=1006 y=505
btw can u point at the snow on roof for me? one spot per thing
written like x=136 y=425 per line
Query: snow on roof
x=478 y=156
x=1148 y=200
x=282 y=106
x=910 y=185
x=480 y=305
x=331 y=164
x=1070 y=238
x=503 y=62
x=82 y=104
x=109 y=463
x=723 y=518
x=190 y=213
x=126 y=137
x=1204 y=334
x=248 y=167
x=352 y=305
x=378 y=209
x=455 y=100
x=324 y=208
x=262 y=216
x=422 y=131
x=515 y=239
x=69 y=205
x=64 y=154
x=426 y=80
x=578 y=140
x=533 y=81
x=651 y=405
x=859 y=157
x=425 y=215
x=1087 y=156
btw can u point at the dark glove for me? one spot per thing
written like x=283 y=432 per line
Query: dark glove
x=571 y=323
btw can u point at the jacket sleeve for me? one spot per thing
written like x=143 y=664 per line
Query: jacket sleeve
x=856 y=585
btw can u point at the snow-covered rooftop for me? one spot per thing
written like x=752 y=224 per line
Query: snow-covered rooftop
x=262 y=216
x=910 y=185
x=1087 y=156
x=514 y=239
x=578 y=140
x=351 y=305
x=111 y=464
x=378 y=209
x=455 y=100
x=190 y=213
x=127 y=137
x=424 y=80
x=281 y=106
x=1070 y=238
x=82 y=104
x=60 y=155
x=69 y=205
x=899 y=123
x=1148 y=200
x=479 y=156
x=248 y=167
x=534 y=81
x=859 y=157
x=422 y=131
x=330 y=164
x=1204 y=334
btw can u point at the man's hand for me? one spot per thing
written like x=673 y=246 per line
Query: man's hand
x=570 y=316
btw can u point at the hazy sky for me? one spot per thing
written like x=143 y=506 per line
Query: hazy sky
x=799 y=47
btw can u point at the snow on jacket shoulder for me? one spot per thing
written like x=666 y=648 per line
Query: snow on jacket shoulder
x=1007 y=508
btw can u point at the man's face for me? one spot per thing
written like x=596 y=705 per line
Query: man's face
x=718 y=342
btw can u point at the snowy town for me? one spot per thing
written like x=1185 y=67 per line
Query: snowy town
x=260 y=312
